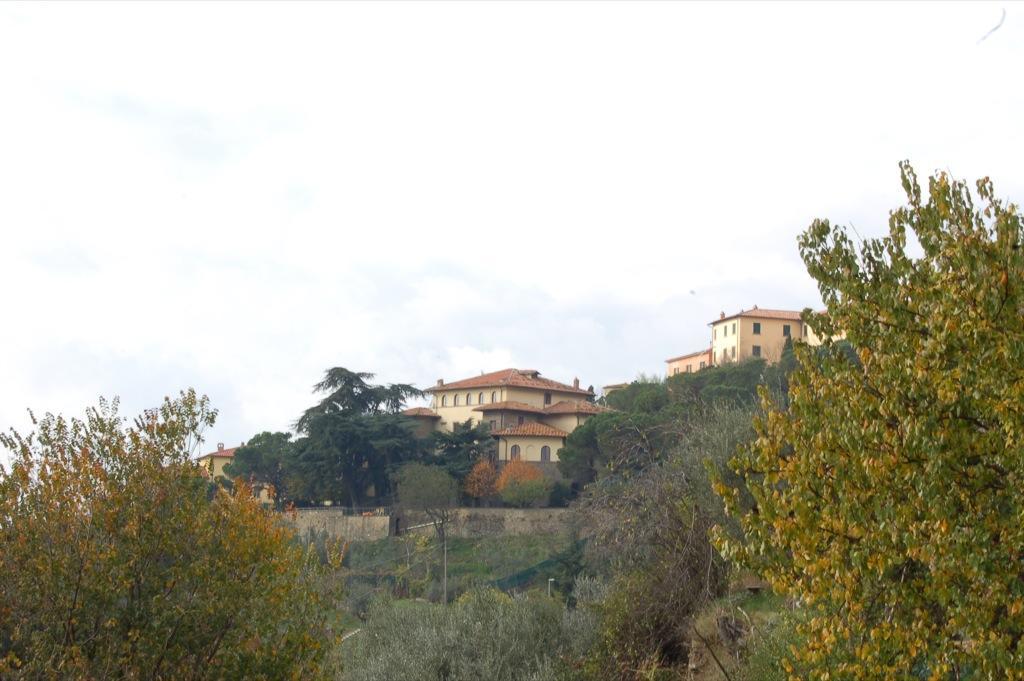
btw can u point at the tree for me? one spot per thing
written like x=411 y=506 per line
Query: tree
x=266 y=460
x=522 y=484
x=459 y=451
x=432 y=491
x=117 y=563
x=355 y=437
x=888 y=494
x=481 y=483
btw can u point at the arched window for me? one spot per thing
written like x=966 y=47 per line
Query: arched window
x=494 y=396
x=545 y=454
x=455 y=401
x=444 y=400
x=514 y=455
x=469 y=398
x=480 y=398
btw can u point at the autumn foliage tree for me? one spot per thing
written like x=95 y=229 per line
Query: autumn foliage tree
x=119 y=560
x=481 y=483
x=523 y=484
x=889 y=494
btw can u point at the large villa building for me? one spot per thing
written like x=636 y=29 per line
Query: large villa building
x=529 y=415
x=748 y=333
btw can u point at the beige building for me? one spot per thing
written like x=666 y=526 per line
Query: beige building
x=689 y=364
x=214 y=462
x=529 y=415
x=748 y=333
x=754 y=333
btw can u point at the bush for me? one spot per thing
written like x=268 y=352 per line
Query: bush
x=526 y=493
x=119 y=562
x=521 y=484
x=481 y=483
x=485 y=634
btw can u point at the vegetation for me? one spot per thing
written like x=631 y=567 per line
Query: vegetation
x=461 y=449
x=409 y=566
x=485 y=634
x=355 y=437
x=888 y=492
x=265 y=461
x=522 y=484
x=121 y=560
x=481 y=483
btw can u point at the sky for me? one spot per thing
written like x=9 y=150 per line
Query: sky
x=235 y=197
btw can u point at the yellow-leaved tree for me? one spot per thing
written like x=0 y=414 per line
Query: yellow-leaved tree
x=120 y=559
x=890 y=492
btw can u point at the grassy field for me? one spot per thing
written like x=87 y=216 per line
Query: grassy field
x=411 y=566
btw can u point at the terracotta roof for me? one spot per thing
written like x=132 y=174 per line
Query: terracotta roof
x=692 y=354
x=575 y=407
x=759 y=313
x=531 y=430
x=421 y=411
x=220 y=452
x=509 y=405
x=520 y=378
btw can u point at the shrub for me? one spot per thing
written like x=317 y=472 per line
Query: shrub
x=522 y=484
x=118 y=561
x=481 y=483
x=485 y=634
x=526 y=493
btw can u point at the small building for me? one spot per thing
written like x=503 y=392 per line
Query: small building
x=689 y=363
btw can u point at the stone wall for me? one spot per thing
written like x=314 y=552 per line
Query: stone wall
x=486 y=522
x=466 y=522
x=337 y=524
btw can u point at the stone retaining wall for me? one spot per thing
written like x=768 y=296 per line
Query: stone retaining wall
x=466 y=522
x=337 y=524
x=488 y=522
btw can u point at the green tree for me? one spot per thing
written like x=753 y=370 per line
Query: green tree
x=355 y=437
x=433 y=492
x=888 y=494
x=117 y=563
x=266 y=460
x=459 y=450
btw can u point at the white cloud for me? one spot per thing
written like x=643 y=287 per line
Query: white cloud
x=238 y=196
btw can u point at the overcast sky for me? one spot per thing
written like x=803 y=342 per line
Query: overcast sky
x=236 y=196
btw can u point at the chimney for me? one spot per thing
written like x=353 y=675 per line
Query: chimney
x=576 y=383
x=755 y=307
x=220 y=446
x=440 y=382
x=721 y=315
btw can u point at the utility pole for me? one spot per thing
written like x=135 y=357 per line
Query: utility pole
x=444 y=541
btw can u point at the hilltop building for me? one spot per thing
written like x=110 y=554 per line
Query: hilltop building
x=529 y=415
x=754 y=333
x=748 y=333
x=689 y=364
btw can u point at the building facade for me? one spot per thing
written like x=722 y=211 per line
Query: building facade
x=748 y=333
x=754 y=333
x=529 y=415
x=689 y=364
